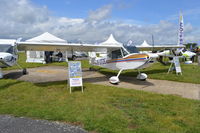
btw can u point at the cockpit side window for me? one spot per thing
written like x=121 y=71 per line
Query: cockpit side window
x=6 y=48
x=132 y=49
x=116 y=54
x=10 y=50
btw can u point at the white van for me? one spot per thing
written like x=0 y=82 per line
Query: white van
x=73 y=55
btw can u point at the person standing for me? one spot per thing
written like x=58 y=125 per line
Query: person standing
x=60 y=56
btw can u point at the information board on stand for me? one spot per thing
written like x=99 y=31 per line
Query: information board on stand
x=175 y=65
x=75 y=74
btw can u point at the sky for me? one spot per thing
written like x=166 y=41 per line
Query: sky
x=93 y=21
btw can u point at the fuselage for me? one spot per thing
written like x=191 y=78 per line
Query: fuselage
x=8 y=53
x=7 y=59
x=130 y=61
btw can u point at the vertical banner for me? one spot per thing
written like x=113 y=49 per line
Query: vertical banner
x=181 y=29
x=75 y=74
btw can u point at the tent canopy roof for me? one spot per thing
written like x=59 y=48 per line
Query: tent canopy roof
x=111 y=41
x=46 y=37
x=145 y=44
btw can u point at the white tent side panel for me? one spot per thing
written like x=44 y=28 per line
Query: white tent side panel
x=35 y=56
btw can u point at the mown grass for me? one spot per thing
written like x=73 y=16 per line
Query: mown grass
x=100 y=108
x=190 y=73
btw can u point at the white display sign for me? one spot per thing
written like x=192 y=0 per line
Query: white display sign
x=177 y=64
x=75 y=74
x=75 y=82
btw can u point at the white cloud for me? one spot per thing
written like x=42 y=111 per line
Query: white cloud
x=21 y=18
x=100 y=14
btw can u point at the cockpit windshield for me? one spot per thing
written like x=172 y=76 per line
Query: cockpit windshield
x=6 y=48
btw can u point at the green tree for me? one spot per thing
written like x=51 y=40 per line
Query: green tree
x=190 y=45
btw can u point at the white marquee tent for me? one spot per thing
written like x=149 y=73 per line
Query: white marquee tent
x=111 y=41
x=144 y=47
x=145 y=44
x=39 y=56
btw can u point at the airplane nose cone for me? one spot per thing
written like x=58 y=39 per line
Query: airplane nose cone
x=5 y=56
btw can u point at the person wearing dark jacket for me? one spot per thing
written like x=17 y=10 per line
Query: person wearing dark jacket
x=60 y=56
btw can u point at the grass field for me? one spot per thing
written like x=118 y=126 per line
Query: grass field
x=100 y=108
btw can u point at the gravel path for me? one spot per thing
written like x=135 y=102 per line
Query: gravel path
x=58 y=73
x=10 y=124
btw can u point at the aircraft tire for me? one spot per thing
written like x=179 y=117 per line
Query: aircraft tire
x=24 y=71
x=91 y=69
x=73 y=57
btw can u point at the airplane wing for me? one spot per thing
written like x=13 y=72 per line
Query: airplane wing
x=37 y=46
x=158 y=47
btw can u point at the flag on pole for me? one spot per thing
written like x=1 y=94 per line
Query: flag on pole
x=181 y=29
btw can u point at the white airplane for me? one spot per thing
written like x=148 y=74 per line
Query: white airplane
x=164 y=51
x=8 y=54
x=187 y=55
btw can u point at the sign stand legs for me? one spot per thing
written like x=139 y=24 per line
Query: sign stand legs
x=170 y=68
x=71 y=89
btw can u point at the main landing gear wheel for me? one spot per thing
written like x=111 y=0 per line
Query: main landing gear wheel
x=91 y=69
x=114 y=80
x=24 y=71
x=73 y=57
x=142 y=76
